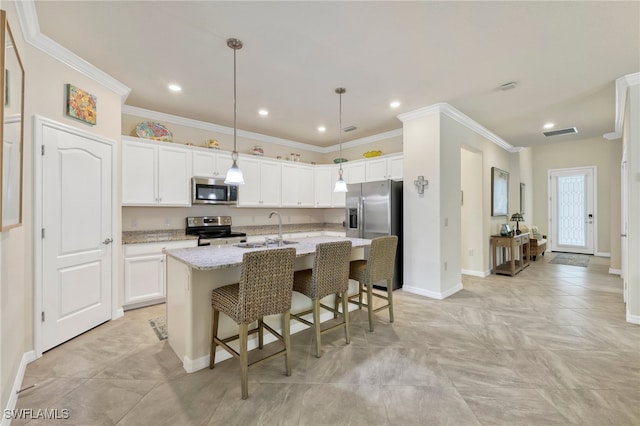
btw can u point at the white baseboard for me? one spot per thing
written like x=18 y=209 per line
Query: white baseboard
x=432 y=294
x=633 y=319
x=27 y=357
x=615 y=271
x=119 y=313
x=481 y=274
x=602 y=254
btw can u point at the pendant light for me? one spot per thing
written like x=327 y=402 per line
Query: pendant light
x=234 y=174
x=341 y=185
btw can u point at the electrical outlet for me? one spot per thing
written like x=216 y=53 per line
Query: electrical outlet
x=470 y=252
x=446 y=221
x=445 y=266
x=134 y=222
x=167 y=222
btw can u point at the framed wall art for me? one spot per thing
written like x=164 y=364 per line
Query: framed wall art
x=499 y=192
x=81 y=104
x=11 y=130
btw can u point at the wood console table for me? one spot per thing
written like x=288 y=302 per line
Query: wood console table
x=516 y=252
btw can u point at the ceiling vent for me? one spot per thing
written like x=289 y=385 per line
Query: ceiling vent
x=349 y=129
x=568 y=131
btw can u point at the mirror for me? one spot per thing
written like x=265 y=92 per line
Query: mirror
x=11 y=115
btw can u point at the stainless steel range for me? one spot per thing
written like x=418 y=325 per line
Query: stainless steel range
x=214 y=230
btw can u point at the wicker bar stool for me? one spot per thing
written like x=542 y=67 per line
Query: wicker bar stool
x=378 y=267
x=330 y=275
x=265 y=287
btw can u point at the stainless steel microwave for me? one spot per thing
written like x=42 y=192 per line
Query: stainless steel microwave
x=212 y=191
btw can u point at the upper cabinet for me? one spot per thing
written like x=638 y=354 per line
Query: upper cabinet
x=159 y=174
x=325 y=177
x=297 y=185
x=262 y=187
x=155 y=173
x=211 y=163
x=382 y=168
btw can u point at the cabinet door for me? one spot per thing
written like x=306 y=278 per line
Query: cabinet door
x=354 y=172
x=143 y=278
x=270 y=177
x=395 y=167
x=323 y=185
x=174 y=176
x=204 y=164
x=306 y=191
x=223 y=163
x=376 y=169
x=139 y=173
x=249 y=193
x=289 y=185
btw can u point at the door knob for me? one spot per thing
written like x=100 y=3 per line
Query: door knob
x=107 y=241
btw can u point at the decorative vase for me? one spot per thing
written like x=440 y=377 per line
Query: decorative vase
x=505 y=230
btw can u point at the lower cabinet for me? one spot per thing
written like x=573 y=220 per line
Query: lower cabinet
x=144 y=272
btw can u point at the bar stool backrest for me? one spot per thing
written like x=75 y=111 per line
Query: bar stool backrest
x=330 y=269
x=382 y=258
x=266 y=283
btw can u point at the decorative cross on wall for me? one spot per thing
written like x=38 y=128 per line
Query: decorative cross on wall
x=420 y=184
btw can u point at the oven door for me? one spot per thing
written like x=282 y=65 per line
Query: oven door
x=213 y=191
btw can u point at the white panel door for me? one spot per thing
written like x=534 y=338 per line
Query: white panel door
x=572 y=214
x=77 y=222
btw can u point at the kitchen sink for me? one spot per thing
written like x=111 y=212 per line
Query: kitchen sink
x=263 y=244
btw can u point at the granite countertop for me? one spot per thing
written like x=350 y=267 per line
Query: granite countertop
x=154 y=235
x=228 y=256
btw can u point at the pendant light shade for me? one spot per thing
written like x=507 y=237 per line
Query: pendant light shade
x=234 y=174
x=341 y=185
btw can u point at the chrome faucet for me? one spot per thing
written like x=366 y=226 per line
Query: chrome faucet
x=279 y=227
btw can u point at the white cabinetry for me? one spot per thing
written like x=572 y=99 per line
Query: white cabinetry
x=354 y=172
x=324 y=181
x=155 y=173
x=211 y=163
x=144 y=272
x=262 y=187
x=387 y=167
x=297 y=185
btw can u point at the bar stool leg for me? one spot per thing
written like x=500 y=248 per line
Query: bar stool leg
x=370 y=305
x=260 y=333
x=390 y=297
x=316 y=324
x=215 y=315
x=244 y=360
x=360 y=291
x=286 y=335
x=345 y=312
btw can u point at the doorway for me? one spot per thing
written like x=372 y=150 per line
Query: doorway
x=572 y=218
x=75 y=199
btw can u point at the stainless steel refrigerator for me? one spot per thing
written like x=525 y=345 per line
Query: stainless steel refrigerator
x=374 y=209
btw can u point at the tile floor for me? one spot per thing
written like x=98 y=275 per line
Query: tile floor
x=549 y=346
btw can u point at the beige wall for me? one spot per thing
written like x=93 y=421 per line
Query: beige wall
x=44 y=95
x=590 y=152
x=472 y=242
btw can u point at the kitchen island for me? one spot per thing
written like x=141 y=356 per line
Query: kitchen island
x=192 y=274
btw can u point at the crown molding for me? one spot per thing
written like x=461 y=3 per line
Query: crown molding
x=28 y=17
x=188 y=122
x=622 y=84
x=460 y=117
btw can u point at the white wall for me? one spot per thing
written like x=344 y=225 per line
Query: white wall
x=472 y=243
x=589 y=152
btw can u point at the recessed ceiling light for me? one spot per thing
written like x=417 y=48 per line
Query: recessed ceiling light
x=548 y=125
x=394 y=104
x=322 y=129
x=175 y=88
x=263 y=112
